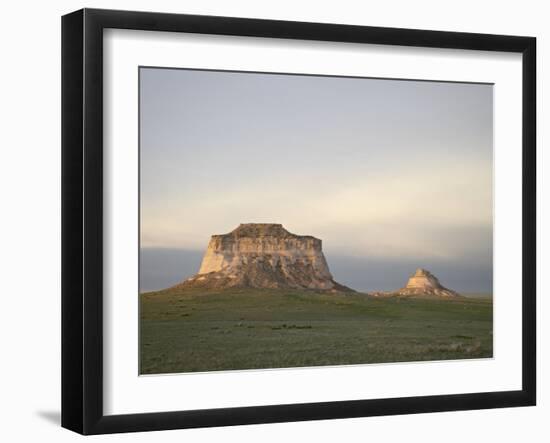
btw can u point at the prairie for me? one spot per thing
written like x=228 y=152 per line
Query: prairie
x=234 y=329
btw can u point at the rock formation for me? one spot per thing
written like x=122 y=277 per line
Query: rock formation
x=425 y=283
x=421 y=283
x=264 y=255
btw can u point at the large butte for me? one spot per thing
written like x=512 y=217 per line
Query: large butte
x=264 y=255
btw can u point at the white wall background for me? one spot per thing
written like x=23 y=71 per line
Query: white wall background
x=30 y=218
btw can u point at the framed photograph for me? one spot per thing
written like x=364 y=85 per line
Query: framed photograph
x=268 y=221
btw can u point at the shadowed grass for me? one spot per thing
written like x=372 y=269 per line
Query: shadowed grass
x=193 y=330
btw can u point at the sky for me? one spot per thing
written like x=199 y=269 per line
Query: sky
x=391 y=174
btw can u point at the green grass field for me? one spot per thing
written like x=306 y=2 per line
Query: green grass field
x=187 y=331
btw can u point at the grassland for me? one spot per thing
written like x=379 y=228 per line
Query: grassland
x=187 y=331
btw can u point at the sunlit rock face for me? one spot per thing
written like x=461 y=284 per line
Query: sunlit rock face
x=264 y=255
x=423 y=282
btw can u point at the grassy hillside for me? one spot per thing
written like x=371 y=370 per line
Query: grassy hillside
x=190 y=330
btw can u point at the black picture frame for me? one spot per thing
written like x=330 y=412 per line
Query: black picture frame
x=82 y=220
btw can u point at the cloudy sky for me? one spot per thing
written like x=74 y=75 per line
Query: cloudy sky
x=390 y=174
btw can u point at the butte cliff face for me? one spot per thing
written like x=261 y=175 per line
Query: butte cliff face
x=259 y=255
x=423 y=282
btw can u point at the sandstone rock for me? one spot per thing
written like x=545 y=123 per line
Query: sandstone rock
x=264 y=255
x=423 y=282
